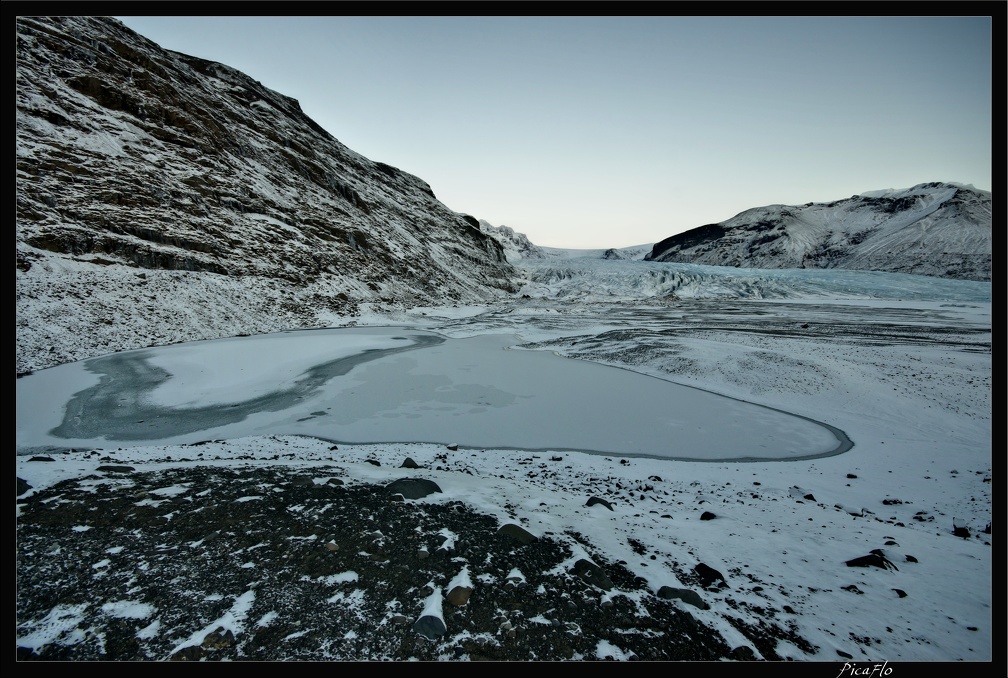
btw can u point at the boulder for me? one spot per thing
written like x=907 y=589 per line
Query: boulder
x=413 y=488
x=593 y=574
x=518 y=533
x=686 y=595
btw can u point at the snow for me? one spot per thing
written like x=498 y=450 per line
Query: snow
x=901 y=366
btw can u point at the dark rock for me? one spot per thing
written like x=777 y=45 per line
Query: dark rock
x=334 y=481
x=874 y=559
x=192 y=653
x=303 y=481
x=901 y=593
x=845 y=655
x=26 y=654
x=742 y=653
x=960 y=530
x=115 y=469
x=409 y=463
x=41 y=458
x=987 y=529
x=593 y=574
x=851 y=475
x=810 y=497
x=852 y=589
x=413 y=488
x=459 y=595
x=22 y=486
x=373 y=462
x=518 y=533
x=707 y=515
x=709 y=576
x=453 y=447
x=430 y=627
x=686 y=595
x=218 y=639
x=598 y=500
x=911 y=559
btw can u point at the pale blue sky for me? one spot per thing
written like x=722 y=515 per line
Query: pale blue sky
x=594 y=132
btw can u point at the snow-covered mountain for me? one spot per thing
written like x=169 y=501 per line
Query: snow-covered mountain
x=145 y=174
x=934 y=229
x=516 y=246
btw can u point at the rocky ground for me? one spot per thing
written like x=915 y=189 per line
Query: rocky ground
x=273 y=563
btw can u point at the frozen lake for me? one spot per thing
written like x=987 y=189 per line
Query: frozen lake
x=395 y=384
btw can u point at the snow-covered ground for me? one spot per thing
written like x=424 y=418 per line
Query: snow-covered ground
x=901 y=365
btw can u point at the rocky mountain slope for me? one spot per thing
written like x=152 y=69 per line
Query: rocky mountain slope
x=935 y=229
x=145 y=174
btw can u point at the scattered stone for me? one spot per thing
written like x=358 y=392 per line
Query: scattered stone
x=409 y=463
x=22 y=486
x=373 y=462
x=598 y=500
x=38 y=458
x=851 y=475
x=707 y=515
x=334 y=481
x=911 y=559
x=332 y=546
x=960 y=530
x=809 y=497
x=453 y=447
x=901 y=593
x=303 y=481
x=845 y=655
x=852 y=589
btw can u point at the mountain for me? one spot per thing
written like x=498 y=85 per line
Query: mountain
x=935 y=229
x=144 y=174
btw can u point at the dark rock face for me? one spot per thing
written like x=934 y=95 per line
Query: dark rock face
x=935 y=229
x=161 y=174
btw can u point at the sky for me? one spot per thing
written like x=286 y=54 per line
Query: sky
x=917 y=408
x=616 y=131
